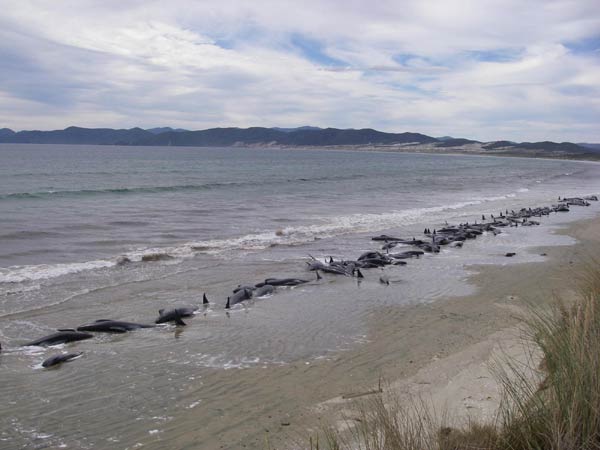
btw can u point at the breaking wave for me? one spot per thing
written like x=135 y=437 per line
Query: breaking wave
x=293 y=235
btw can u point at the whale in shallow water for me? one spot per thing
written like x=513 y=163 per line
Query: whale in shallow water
x=264 y=290
x=112 y=326
x=61 y=337
x=238 y=297
x=175 y=315
x=286 y=281
x=59 y=359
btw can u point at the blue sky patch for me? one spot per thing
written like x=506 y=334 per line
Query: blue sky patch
x=313 y=50
x=590 y=45
x=499 y=55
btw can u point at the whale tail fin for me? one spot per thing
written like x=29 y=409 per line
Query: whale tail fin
x=227 y=304
x=204 y=299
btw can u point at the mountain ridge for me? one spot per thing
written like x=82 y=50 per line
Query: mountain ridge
x=306 y=136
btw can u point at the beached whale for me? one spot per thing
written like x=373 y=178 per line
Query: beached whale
x=334 y=267
x=59 y=359
x=112 y=326
x=61 y=337
x=238 y=297
x=175 y=315
x=244 y=286
x=267 y=289
x=285 y=281
x=385 y=237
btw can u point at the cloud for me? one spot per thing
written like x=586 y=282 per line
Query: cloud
x=480 y=69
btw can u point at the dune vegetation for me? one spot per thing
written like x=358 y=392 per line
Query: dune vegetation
x=560 y=412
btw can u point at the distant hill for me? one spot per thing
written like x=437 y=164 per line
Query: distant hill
x=310 y=136
x=287 y=130
x=77 y=135
x=6 y=132
x=225 y=137
x=164 y=130
x=545 y=146
x=302 y=136
x=498 y=144
x=456 y=142
x=590 y=146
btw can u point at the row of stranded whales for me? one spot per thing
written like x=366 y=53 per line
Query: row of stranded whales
x=66 y=335
x=452 y=235
x=434 y=240
x=262 y=289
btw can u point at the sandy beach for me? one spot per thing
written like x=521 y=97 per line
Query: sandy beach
x=442 y=351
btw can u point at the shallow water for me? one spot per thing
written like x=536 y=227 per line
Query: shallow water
x=226 y=216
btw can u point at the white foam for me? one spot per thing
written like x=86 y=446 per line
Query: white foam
x=330 y=227
x=19 y=274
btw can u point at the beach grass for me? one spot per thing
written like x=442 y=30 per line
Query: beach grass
x=562 y=412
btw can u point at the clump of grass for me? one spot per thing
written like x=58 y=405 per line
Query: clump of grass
x=561 y=413
x=564 y=411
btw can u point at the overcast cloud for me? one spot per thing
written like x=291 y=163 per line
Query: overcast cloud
x=519 y=70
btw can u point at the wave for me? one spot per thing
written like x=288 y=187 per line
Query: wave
x=30 y=234
x=355 y=223
x=163 y=189
x=19 y=274
x=109 y=191
x=288 y=236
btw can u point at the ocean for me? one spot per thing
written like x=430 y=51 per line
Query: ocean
x=220 y=217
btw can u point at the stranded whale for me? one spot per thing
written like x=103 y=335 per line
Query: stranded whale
x=59 y=359
x=112 y=326
x=61 y=337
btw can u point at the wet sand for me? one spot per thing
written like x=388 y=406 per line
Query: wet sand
x=445 y=345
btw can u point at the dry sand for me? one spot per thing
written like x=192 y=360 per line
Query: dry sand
x=440 y=350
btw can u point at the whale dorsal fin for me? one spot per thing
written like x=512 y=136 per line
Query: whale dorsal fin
x=66 y=329
x=160 y=311
x=204 y=299
x=227 y=304
x=102 y=320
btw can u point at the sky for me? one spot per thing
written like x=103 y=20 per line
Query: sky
x=522 y=70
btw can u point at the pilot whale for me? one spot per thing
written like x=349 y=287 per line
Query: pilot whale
x=61 y=337
x=112 y=326
x=59 y=359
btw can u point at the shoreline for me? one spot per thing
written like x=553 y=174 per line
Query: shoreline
x=405 y=343
x=422 y=149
